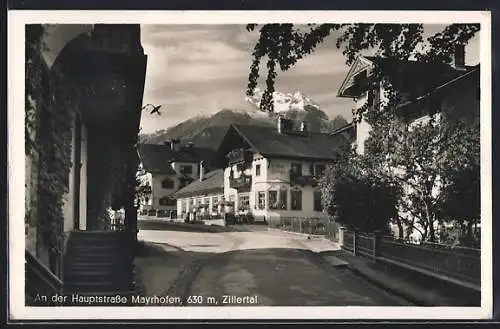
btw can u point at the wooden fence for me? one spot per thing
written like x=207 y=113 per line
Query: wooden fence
x=457 y=264
x=313 y=226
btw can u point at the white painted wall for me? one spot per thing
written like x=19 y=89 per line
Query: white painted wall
x=195 y=200
x=158 y=192
x=83 y=180
x=68 y=211
x=276 y=177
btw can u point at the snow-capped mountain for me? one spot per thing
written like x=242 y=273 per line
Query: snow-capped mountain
x=284 y=102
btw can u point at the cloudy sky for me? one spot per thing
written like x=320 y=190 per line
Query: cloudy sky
x=200 y=69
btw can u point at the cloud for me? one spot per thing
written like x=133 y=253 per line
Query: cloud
x=200 y=69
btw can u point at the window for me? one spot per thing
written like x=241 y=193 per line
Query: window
x=261 y=200
x=206 y=201
x=296 y=200
x=244 y=202
x=257 y=170
x=215 y=200
x=186 y=170
x=283 y=204
x=317 y=201
x=273 y=199
x=320 y=170
x=167 y=183
x=296 y=169
x=183 y=206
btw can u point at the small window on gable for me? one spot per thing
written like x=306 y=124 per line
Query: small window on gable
x=257 y=170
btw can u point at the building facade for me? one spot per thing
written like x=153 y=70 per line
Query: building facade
x=439 y=91
x=166 y=169
x=426 y=90
x=203 y=199
x=273 y=173
x=109 y=61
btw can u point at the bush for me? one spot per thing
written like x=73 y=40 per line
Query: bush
x=358 y=199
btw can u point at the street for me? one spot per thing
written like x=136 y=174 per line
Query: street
x=263 y=267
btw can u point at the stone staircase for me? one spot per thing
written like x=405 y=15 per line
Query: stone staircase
x=98 y=263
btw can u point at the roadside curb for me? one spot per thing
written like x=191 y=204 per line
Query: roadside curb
x=313 y=236
x=394 y=291
x=323 y=262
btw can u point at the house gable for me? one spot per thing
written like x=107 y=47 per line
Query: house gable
x=361 y=64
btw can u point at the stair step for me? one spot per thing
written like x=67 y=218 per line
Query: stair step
x=95 y=288
x=112 y=256
x=98 y=278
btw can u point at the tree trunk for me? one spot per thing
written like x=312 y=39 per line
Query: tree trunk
x=400 y=228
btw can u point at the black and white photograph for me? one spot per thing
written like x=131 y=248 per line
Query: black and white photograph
x=235 y=165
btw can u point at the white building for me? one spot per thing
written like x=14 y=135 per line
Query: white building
x=271 y=173
x=166 y=168
x=438 y=90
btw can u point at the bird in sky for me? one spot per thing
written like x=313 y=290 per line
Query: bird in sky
x=156 y=108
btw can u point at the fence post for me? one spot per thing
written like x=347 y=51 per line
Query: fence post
x=341 y=236
x=375 y=237
x=354 y=240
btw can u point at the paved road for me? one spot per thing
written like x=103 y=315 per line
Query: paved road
x=272 y=267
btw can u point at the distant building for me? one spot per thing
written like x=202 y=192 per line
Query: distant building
x=269 y=172
x=203 y=198
x=167 y=168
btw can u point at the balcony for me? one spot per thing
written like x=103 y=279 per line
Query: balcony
x=239 y=156
x=243 y=182
x=303 y=180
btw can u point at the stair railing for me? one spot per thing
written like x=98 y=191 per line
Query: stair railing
x=41 y=283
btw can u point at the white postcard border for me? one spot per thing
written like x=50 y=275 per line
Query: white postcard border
x=16 y=165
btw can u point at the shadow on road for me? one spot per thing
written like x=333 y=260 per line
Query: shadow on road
x=277 y=276
x=164 y=225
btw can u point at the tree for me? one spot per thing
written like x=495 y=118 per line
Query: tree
x=422 y=161
x=286 y=44
x=356 y=198
x=335 y=124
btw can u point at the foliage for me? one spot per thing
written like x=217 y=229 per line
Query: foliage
x=52 y=104
x=335 y=124
x=48 y=127
x=356 y=198
x=285 y=44
x=143 y=189
x=432 y=162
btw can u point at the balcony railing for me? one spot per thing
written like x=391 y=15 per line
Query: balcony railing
x=303 y=180
x=241 y=182
x=239 y=156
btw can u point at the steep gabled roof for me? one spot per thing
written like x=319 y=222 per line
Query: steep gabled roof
x=213 y=182
x=292 y=145
x=417 y=76
x=158 y=157
x=155 y=158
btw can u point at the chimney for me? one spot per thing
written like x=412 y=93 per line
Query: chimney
x=458 y=60
x=281 y=125
x=304 y=126
x=284 y=125
x=175 y=144
x=202 y=171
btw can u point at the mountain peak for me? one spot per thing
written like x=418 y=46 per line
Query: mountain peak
x=284 y=102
